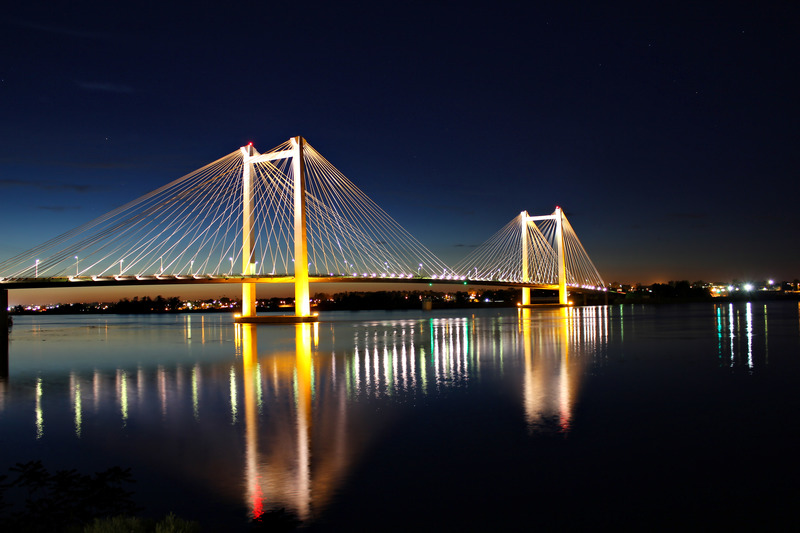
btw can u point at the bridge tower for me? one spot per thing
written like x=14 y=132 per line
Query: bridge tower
x=526 y=291
x=302 y=307
x=557 y=216
x=562 y=267
x=248 y=201
x=301 y=289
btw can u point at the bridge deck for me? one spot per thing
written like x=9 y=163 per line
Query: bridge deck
x=110 y=281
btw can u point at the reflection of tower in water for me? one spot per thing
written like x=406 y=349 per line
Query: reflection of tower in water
x=556 y=345
x=279 y=471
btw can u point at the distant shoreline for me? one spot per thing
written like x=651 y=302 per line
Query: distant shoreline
x=439 y=306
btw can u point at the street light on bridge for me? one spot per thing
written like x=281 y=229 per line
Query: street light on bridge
x=77 y=271
x=36 y=271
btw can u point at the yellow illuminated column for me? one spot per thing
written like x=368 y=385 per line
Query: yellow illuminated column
x=304 y=393
x=248 y=202
x=526 y=291
x=249 y=340
x=531 y=396
x=562 y=270
x=301 y=294
x=565 y=392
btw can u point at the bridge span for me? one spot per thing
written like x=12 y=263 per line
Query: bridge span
x=288 y=216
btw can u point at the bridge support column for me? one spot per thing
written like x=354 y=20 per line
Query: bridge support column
x=563 y=296
x=248 y=204
x=302 y=307
x=526 y=296
x=526 y=291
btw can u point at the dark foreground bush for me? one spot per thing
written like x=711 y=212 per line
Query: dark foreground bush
x=134 y=524
x=33 y=499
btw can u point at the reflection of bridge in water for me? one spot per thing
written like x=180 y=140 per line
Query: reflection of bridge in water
x=296 y=401
x=283 y=422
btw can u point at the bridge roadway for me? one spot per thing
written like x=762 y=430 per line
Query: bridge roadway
x=118 y=281
x=115 y=281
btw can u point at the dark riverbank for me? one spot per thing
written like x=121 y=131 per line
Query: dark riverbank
x=638 y=298
x=404 y=300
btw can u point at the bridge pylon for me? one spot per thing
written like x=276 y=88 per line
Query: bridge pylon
x=248 y=202
x=563 y=296
x=526 y=291
x=558 y=218
x=302 y=304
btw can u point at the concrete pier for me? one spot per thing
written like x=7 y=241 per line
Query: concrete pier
x=275 y=319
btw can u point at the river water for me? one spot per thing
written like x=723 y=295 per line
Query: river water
x=654 y=417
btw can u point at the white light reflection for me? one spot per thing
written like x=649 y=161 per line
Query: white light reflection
x=162 y=389
x=141 y=384
x=731 y=331
x=75 y=397
x=403 y=363
x=96 y=390
x=395 y=375
x=234 y=406
x=195 y=383
x=375 y=362
x=749 y=321
x=766 y=337
x=122 y=395
x=741 y=330
x=719 y=333
x=38 y=410
x=387 y=368
x=423 y=373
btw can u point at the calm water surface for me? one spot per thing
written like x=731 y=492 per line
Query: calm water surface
x=655 y=417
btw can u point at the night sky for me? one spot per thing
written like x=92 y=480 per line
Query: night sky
x=668 y=133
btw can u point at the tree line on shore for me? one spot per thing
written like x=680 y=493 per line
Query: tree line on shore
x=671 y=292
x=321 y=301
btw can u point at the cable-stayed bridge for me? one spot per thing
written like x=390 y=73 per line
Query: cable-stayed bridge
x=287 y=215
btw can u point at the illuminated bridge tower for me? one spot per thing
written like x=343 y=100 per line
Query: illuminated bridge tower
x=562 y=264
x=526 y=291
x=301 y=289
x=557 y=216
x=248 y=201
